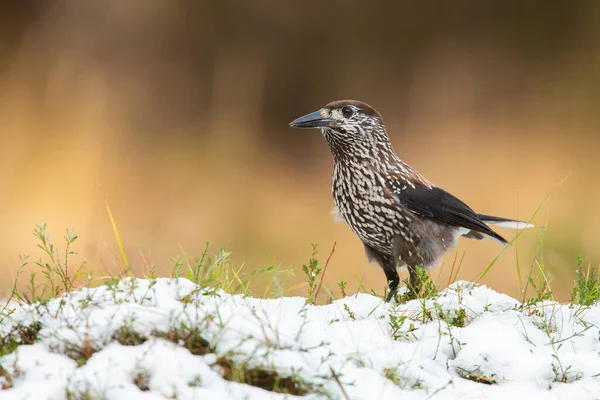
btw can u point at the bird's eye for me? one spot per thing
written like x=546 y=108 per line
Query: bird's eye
x=347 y=111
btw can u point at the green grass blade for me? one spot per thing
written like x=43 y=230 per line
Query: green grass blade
x=118 y=237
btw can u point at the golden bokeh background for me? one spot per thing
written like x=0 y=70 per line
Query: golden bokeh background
x=177 y=113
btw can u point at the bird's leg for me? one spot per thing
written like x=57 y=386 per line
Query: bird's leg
x=388 y=264
x=414 y=282
x=393 y=281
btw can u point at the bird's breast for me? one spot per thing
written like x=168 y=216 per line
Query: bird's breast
x=360 y=197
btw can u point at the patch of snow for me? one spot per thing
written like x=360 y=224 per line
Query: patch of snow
x=468 y=342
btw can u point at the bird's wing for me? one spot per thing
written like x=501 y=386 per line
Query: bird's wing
x=437 y=204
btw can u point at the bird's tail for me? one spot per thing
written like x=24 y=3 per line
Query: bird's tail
x=504 y=222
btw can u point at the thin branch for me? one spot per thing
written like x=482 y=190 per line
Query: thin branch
x=337 y=380
x=324 y=270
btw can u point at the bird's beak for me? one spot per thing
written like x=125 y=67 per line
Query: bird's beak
x=312 y=120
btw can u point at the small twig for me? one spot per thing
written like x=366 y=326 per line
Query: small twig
x=324 y=270
x=452 y=269
x=147 y=266
x=440 y=389
x=337 y=380
x=462 y=258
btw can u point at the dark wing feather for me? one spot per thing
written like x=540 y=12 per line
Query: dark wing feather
x=437 y=204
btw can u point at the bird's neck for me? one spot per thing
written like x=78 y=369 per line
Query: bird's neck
x=349 y=151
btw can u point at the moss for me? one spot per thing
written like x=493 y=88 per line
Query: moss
x=475 y=376
x=81 y=353
x=191 y=339
x=127 y=336
x=267 y=379
x=19 y=335
x=142 y=381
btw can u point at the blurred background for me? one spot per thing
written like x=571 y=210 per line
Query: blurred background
x=177 y=112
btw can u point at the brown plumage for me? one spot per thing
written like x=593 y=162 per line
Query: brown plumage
x=401 y=218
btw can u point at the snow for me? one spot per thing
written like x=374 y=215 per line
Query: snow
x=355 y=348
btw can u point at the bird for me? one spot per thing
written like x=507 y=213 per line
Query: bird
x=402 y=219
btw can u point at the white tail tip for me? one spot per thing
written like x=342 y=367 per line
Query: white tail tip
x=510 y=224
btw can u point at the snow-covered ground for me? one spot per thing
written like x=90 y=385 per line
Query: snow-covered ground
x=133 y=341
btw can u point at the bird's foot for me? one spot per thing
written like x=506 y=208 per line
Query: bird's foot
x=400 y=295
x=391 y=294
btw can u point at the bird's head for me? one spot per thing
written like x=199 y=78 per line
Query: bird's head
x=347 y=124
